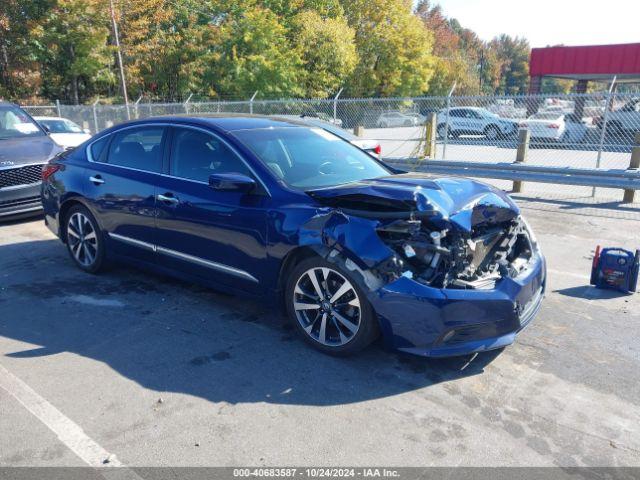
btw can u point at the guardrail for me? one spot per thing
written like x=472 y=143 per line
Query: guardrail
x=614 y=178
x=518 y=171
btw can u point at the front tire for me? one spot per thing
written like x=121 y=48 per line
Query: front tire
x=492 y=132
x=328 y=308
x=85 y=242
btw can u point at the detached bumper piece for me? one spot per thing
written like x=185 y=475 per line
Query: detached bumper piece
x=434 y=322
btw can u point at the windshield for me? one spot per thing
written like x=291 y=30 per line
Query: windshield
x=60 y=126
x=308 y=158
x=14 y=123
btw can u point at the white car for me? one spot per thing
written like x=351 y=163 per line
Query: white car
x=398 y=119
x=63 y=131
x=369 y=145
x=474 y=121
x=556 y=127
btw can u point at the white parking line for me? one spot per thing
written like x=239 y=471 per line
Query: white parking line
x=68 y=432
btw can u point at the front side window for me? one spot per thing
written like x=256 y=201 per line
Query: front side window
x=196 y=155
x=139 y=148
x=14 y=123
x=308 y=158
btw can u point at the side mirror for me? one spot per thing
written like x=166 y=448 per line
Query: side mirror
x=231 y=182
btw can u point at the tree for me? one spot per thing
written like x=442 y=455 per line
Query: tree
x=458 y=51
x=252 y=53
x=20 y=76
x=393 y=47
x=327 y=49
x=512 y=55
x=72 y=50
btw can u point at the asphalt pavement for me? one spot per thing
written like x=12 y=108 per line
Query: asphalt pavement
x=131 y=368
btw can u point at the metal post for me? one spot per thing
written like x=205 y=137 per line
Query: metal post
x=604 y=126
x=335 y=105
x=116 y=38
x=186 y=103
x=251 y=101
x=58 y=107
x=95 y=116
x=524 y=136
x=136 y=106
x=634 y=164
x=446 y=125
x=430 y=136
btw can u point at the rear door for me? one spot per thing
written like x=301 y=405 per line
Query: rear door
x=121 y=185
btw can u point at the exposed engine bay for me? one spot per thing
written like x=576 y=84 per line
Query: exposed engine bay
x=453 y=259
x=414 y=227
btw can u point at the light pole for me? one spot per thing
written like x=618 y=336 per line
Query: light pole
x=116 y=38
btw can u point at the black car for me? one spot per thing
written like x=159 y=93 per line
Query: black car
x=24 y=148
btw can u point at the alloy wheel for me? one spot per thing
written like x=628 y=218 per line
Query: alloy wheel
x=327 y=306
x=82 y=239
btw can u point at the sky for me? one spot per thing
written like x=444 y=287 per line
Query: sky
x=550 y=22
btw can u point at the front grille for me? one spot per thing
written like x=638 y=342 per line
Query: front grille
x=29 y=174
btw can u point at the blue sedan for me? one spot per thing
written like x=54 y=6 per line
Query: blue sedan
x=287 y=212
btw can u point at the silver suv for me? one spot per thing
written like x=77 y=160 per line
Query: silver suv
x=474 y=121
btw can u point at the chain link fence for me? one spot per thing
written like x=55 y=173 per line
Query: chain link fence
x=575 y=131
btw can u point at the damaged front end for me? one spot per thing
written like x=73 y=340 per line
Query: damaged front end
x=444 y=242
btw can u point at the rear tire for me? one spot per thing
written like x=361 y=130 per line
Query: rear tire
x=85 y=241
x=340 y=327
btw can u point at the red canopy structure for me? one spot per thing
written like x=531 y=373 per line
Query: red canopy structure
x=600 y=63
x=586 y=63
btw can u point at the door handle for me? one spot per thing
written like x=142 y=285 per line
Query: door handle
x=168 y=198
x=96 y=180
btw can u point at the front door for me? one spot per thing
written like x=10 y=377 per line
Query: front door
x=218 y=235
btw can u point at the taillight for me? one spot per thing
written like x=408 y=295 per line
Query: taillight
x=378 y=149
x=49 y=169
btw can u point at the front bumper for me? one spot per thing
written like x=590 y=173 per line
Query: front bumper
x=21 y=200
x=432 y=322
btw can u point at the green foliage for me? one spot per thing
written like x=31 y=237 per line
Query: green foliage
x=65 y=49
x=327 y=49
x=72 y=50
x=393 y=47
x=254 y=54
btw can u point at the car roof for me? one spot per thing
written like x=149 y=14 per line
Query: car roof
x=228 y=122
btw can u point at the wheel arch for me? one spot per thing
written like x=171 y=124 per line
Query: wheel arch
x=291 y=259
x=66 y=205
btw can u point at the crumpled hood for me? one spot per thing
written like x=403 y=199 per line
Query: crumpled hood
x=448 y=200
x=22 y=151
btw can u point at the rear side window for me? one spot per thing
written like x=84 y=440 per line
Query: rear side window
x=139 y=148
x=196 y=155
x=97 y=149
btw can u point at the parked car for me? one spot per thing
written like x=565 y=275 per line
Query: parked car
x=398 y=119
x=24 y=148
x=556 y=127
x=369 y=145
x=280 y=210
x=474 y=121
x=325 y=117
x=63 y=131
x=625 y=120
